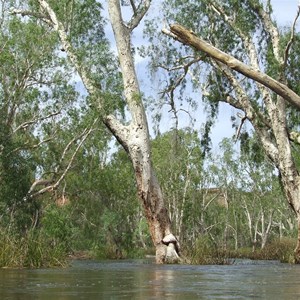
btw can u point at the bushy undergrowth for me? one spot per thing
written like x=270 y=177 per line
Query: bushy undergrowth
x=33 y=250
x=46 y=245
x=282 y=250
x=108 y=251
x=206 y=252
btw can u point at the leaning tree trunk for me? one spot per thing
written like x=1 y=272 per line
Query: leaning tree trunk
x=135 y=136
x=136 y=141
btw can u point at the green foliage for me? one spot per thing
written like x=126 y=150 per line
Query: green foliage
x=277 y=249
x=30 y=251
x=177 y=159
x=56 y=227
x=104 y=211
x=205 y=252
x=44 y=114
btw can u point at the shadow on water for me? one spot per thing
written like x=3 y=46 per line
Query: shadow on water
x=142 y=279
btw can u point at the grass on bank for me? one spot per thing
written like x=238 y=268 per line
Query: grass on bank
x=32 y=250
x=36 y=250
x=206 y=252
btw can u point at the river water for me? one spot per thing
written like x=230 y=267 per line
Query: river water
x=142 y=279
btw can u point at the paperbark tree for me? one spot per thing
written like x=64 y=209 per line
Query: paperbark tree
x=134 y=137
x=271 y=111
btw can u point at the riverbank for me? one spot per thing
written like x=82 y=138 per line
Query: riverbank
x=34 y=251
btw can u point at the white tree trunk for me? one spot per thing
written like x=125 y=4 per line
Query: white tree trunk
x=135 y=136
x=136 y=141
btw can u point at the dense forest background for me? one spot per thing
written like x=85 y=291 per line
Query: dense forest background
x=66 y=186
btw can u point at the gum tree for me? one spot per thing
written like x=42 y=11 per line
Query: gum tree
x=133 y=136
x=33 y=97
x=250 y=63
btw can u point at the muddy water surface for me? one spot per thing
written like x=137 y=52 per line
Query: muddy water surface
x=142 y=279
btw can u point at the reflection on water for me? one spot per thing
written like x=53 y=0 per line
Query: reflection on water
x=140 y=279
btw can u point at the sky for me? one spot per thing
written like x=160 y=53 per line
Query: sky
x=284 y=11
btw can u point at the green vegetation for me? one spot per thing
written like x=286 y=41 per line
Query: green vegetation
x=99 y=216
x=66 y=190
x=206 y=252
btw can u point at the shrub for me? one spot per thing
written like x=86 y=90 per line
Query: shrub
x=30 y=251
x=205 y=252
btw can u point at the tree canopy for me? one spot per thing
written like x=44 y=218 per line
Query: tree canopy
x=66 y=90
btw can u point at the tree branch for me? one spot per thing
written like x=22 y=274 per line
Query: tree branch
x=189 y=38
x=254 y=117
x=243 y=119
x=269 y=27
x=133 y=7
x=33 y=121
x=139 y=13
x=58 y=26
x=32 y=194
x=30 y=13
x=292 y=38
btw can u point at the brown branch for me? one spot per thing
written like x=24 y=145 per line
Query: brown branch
x=243 y=119
x=133 y=7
